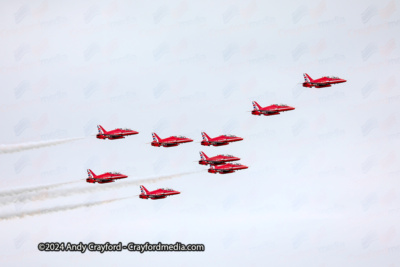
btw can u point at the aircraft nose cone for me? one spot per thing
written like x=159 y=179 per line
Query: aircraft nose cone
x=177 y=192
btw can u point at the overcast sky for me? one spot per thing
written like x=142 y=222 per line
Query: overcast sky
x=322 y=188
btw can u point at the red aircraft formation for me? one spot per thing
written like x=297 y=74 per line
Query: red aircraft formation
x=218 y=164
x=104 y=178
x=169 y=141
x=269 y=110
x=156 y=194
x=114 y=134
x=221 y=140
x=326 y=81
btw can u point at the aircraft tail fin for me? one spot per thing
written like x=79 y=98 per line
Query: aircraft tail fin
x=203 y=155
x=91 y=174
x=256 y=106
x=156 y=138
x=101 y=129
x=307 y=78
x=205 y=136
x=144 y=190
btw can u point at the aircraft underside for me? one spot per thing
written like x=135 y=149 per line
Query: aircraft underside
x=220 y=172
x=322 y=86
x=116 y=137
x=92 y=181
x=264 y=113
x=163 y=144
x=270 y=114
x=168 y=145
x=310 y=85
x=203 y=143
x=212 y=163
x=151 y=197
x=100 y=136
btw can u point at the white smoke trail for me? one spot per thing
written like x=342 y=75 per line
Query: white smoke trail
x=32 y=145
x=26 y=190
x=90 y=189
x=21 y=215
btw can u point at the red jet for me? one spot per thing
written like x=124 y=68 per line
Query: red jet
x=157 y=194
x=217 y=160
x=114 y=134
x=227 y=168
x=169 y=141
x=221 y=140
x=107 y=177
x=270 y=110
x=321 y=82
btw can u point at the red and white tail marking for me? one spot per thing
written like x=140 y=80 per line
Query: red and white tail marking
x=203 y=155
x=156 y=138
x=205 y=136
x=90 y=173
x=144 y=190
x=307 y=78
x=256 y=106
x=101 y=129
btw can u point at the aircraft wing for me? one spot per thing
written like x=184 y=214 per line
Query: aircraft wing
x=170 y=142
x=218 y=142
x=103 y=179
x=268 y=111
x=157 y=196
x=113 y=135
x=322 y=84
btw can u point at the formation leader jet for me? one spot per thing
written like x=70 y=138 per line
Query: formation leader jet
x=217 y=160
x=221 y=140
x=156 y=194
x=169 y=141
x=326 y=81
x=107 y=177
x=118 y=133
x=274 y=109
x=226 y=168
